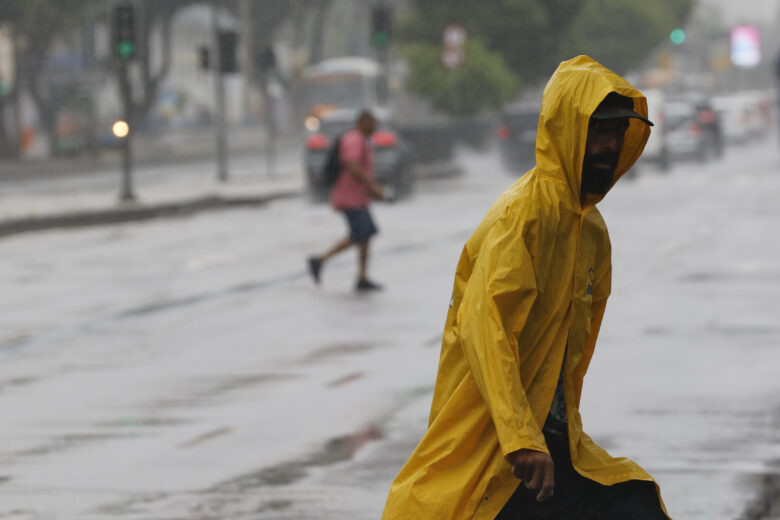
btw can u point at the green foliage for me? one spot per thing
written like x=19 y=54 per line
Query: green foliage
x=527 y=33
x=533 y=36
x=43 y=16
x=482 y=82
x=622 y=33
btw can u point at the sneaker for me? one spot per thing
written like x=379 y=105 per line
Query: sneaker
x=315 y=266
x=367 y=285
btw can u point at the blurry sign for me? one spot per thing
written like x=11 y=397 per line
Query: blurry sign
x=454 y=37
x=745 y=46
x=452 y=58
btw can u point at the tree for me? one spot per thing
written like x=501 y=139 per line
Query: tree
x=36 y=24
x=528 y=34
x=533 y=36
x=622 y=33
x=482 y=82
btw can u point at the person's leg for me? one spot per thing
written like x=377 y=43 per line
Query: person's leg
x=315 y=262
x=572 y=496
x=337 y=248
x=635 y=499
x=363 y=261
x=364 y=228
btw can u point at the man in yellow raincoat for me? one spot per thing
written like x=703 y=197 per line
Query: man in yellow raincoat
x=505 y=436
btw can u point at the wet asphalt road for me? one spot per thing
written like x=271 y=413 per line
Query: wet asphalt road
x=188 y=368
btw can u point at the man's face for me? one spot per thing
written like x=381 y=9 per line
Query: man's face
x=602 y=151
x=367 y=125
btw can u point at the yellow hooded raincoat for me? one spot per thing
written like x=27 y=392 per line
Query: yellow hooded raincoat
x=532 y=279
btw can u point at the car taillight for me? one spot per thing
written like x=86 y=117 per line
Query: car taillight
x=316 y=142
x=384 y=139
x=503 y=132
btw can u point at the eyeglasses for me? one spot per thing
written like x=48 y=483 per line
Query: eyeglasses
x=608 y=126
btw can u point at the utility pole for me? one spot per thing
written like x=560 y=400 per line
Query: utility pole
x=126 y=193
x=124 y=51
x=381 y=30
x=270 y=124
x=219 y=87
x=248 y=37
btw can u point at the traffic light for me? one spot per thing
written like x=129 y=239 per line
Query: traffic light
x=265 y=58
x=123 y=37
x=228 y=42
x=381 y=26
x=677 y=36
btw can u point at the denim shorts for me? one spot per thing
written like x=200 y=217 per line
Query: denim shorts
x=361 y=225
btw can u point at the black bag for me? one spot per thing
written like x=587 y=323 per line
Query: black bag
x=332 y=167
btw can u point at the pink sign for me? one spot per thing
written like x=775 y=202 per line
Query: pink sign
x=745 y=46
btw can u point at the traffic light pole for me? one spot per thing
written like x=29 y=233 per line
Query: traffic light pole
x=126 y=193
x=270 y=126
x=381 y=27
x=219 y=88
x=123 y=43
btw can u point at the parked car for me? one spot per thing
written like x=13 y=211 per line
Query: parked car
x=516 y=135
x=657 y=150
x=392 y=155
x=744 y=116
x=685 y=138
x=709 y=121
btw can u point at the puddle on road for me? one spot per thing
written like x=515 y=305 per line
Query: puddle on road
x=766 y=505
x=657 y=331
x=433 y=341
x=344 y=448
x=205 y=437
x=720 y=329
x=704 y=277
x=744 y=330
x=205 y=389
x=338 y=449
x=14 y=342
x=160 y=306
x=65 y=442
x=343 y=380
x=274 y=506
x=16 y=382
x=338 y=349
x=142 y=422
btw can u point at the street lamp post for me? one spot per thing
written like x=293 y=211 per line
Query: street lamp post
x=219 y=85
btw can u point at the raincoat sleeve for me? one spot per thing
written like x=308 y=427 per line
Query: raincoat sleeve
x=496 y=302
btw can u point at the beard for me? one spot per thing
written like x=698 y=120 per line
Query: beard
x=596 y=180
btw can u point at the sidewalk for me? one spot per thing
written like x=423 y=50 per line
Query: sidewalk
x=92 y=198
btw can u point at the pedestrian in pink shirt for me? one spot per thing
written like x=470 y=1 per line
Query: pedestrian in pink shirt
x=352 y=193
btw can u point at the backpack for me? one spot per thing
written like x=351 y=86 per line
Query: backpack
x=332 y=167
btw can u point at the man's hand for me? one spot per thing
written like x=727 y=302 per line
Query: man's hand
x=535 y=469
x=376 y=191
x=373 y=187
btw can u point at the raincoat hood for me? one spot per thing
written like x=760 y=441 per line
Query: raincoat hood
x=528 y=299
x=572 y=94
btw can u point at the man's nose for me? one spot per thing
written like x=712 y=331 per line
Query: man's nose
x=608 y=141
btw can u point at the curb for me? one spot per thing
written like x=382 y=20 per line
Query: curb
x=119 y=215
